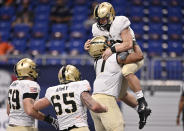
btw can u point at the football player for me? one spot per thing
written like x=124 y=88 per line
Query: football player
x=69 y=99
x=107 y=84
x=21 y=97
x=118 y=30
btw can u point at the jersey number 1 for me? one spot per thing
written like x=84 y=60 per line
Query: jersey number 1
x=57 y=105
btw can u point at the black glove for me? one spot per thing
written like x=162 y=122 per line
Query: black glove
x=51 y=120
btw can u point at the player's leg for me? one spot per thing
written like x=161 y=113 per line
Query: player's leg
x=126 y=97
x=97 y=121
x=128 y=71
x=113 y=119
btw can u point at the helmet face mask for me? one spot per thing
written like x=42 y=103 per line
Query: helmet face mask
x=26 y=68
x=98 y=45
x=68 y=74
x=104 y=14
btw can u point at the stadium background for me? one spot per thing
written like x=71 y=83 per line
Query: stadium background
x=159 y=29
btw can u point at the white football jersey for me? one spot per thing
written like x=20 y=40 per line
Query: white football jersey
x=108 y=76
x=17 y=89
x=117 y=26
x=66 y=100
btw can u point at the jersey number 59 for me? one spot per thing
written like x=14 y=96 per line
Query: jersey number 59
x=13 y=98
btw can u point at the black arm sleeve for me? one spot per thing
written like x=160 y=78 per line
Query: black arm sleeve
x=30 y=95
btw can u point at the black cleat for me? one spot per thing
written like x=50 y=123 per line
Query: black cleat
x=143 y=114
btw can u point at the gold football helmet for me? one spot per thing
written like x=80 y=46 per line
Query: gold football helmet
x=26 y=68
x=68 y=73
x=104 y=10
x=98 y=45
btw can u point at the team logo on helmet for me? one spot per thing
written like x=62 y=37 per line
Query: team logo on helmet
x=104 y=11
x=68 y=74
x=26 y=68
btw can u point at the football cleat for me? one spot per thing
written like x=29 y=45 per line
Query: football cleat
x=143 y=112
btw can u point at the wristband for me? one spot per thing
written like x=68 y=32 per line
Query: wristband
x=113 y=49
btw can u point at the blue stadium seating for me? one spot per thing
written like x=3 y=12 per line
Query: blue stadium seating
x=58 y=35
x=4 y=25
x=175 y=46
x=7 y=11
x=21 y=29
x=155 y=28
x=77 y=44
x=20 y=45
x=4 y=34
x=58 y=45
x=38 y=45
x=155 y=48
x=175 y=28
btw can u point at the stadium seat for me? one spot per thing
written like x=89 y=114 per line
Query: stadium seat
x=155 y=48
x=137 y=13
x=175 y=47
x=174 y=14
x=43 y=9
x=77 y=44
x=155 y=28
x=80 y=10
x=4 y=25
x=138 y=29
x=174 y=31
x=40 y=32
x=58 y=45
x=7 y=13
x=38 y=45
x=79 y=18
x=21 y=31
x=5 y=34
x=61 y=29
x=155 y=13
x=20 y=45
